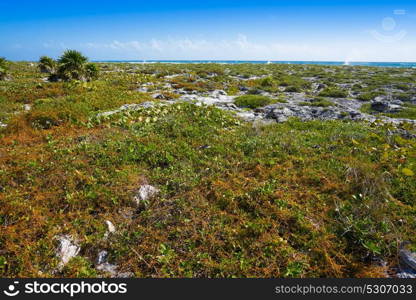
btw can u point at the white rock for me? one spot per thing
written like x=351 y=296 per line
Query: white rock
x=104 y=266
x=102 y=257
x=145 y=193
x=110 y=229
x=218 y=93
x=406 y=275
x=158 y=96
x=219 y=99
x=110 y=226
x=109 y=268
x=67 y=250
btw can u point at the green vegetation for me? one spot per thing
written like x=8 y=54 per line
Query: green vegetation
x=292 y=89
x=322 y=102
x=252 y=101
x=237 y=199
x=267 y=82
x=3 y=68
x=72 y=65
x=47 y=65
x=334 y=93
x=368 y=96
x=403 y=96
x=408 y=112
x=403 y=87
x=366 y=108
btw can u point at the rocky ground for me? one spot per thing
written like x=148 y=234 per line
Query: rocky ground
x=276 y=171
x=296 y=105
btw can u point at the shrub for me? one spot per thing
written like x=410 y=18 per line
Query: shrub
x=266 y=82
x=47 y=65
x=91 y=71
x=252 y=101
x=366 y=108
x=402 y=86
x=333 y=93
x=321 y=102
x=292 y=89
x=72 y=65
x=254 y=91
x=403 y=96
x=409 y=112
x=369 y=96
x=43 y=120
x=3 y=68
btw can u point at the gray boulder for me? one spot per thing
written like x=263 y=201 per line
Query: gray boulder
x=218 y=93
x=385 y=106
x=103 y=265
x=158 y=96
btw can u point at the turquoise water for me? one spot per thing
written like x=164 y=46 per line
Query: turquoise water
x=327 y=63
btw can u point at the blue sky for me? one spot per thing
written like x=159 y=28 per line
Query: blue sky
x=253 y=30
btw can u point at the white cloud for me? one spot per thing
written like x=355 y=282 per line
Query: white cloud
x=242 y=48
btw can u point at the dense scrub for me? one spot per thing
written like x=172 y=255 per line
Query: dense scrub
x=238 y=199
x=252 y=101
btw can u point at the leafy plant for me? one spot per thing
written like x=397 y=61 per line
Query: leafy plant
x=333 y=92
x=3 y=68
x=369 y=96
x=252 y=101
x=292 y=89
x=72 y=65
x=320 y=102
x=91 y=71
x=47 y=65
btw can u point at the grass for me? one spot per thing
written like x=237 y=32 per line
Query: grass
x=408 y=111
x=293 y=89
x=333 y=92
x=294 y=199
x=368 y=96
x=319 y=102
x=253 y=101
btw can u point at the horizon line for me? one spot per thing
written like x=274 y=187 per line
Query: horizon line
x=346 y=62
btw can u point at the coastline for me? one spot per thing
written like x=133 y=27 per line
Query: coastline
x=224 y=62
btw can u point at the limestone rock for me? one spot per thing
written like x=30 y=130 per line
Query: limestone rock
x=384 y=106
x=145 y=193
x=67 y=249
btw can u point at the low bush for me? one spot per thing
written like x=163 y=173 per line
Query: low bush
x=320 y=102
x=333 y=93
x=292 y=89
x=252 y=101
x=369 y=96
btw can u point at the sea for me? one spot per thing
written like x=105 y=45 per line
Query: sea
x=324 y=63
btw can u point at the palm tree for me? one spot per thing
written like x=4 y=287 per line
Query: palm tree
x=3 y=68
x=91 y=71
x=47 y=65
x=72 y=65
